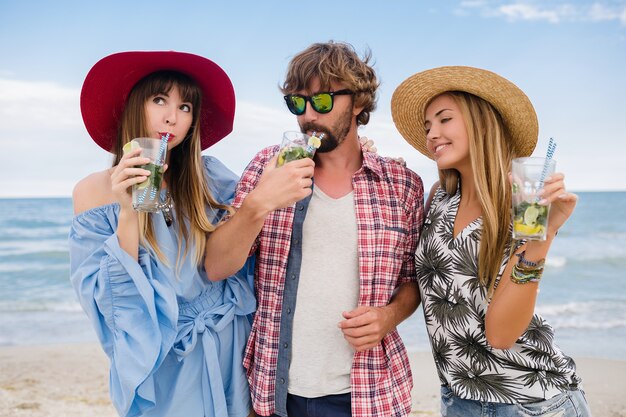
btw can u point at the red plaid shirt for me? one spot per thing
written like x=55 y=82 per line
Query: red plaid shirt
x=388 y=202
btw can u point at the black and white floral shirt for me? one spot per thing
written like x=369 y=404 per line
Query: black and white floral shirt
x=455 y=304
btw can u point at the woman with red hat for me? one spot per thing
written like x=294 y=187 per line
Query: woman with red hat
x=174 y=338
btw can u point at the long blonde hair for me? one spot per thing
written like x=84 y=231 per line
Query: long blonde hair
x=491 y=154
x=187 y=182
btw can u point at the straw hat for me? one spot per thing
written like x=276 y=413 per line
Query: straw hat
x=410 y=99
x=109 y=82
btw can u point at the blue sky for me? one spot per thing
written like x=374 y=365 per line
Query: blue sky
x=568 y=56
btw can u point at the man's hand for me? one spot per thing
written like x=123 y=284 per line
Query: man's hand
x=281 y=187
x=366 y=326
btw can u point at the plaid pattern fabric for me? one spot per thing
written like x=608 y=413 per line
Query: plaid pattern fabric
x=389 y=209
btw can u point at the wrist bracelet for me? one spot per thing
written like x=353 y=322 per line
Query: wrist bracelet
x=523 y=276
x=525 y=271
x=530 y=264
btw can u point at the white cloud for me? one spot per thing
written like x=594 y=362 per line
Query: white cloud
x=43 y=104
x=555 y=13
x=45 y=147
x=599 y=12
x=473 y=3
x=527 y=12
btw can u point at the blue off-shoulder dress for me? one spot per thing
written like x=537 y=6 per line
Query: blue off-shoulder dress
x=175 y=339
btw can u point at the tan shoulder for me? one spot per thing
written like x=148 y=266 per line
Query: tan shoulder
x=92 y=191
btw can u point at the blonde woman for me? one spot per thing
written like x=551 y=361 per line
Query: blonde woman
x=493 y=354
x=174 y=338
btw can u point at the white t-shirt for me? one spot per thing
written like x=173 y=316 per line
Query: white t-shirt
x=328 y=285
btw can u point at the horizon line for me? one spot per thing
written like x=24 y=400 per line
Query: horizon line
x=26 y=197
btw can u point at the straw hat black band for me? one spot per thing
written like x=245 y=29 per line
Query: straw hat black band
x=409 y=101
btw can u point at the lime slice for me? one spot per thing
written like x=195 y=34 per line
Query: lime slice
x=530 y=215
x=130 y=146
x=315 y=142
x=144 y=184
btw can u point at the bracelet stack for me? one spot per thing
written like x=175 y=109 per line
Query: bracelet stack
x=525 y=271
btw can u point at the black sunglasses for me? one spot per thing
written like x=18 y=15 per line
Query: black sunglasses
x=321 y=102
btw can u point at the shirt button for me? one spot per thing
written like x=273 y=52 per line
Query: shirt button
x=297 y=242
x=285 y=345
x=282 y=380
x=300 y=207
x=288 y=311
x=293 y=276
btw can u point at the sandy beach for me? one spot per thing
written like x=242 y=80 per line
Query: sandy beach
x=72 y=381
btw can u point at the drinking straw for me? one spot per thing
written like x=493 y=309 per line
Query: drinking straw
x=310 y=148
x=549 y=155
x=153 y=189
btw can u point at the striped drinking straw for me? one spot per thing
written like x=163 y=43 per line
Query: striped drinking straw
x=549 y=155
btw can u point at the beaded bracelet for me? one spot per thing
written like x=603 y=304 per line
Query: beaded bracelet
x=520 y=276
x=525 y=262
x=525 y=271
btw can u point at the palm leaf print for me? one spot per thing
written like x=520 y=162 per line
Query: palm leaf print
x=433 y=215
x=431 y=224
x=465 y=260
x=478 y=307
x=475 y=235
x=557 y=379
x=529 y=374
x=537 y=355
x=446 y=230
x=545 y=379
x=473 y=383
x=473 y=347
x=450 y=310
x=442 y=352
x=564 y=362
x=433 y=265
x=539 y=334
x=514 y=359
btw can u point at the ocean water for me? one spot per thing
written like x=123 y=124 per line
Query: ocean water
x=583 y=291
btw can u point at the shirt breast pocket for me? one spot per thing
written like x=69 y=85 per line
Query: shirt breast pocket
x=400 y=230
x=391 y=247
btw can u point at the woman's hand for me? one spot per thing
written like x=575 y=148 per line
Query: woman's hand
x=126 y=174
x=562 y=202
x=368 y=146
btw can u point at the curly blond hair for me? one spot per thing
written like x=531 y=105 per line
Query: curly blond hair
x=335 y=62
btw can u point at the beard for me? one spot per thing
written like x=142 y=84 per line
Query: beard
x=333 y=136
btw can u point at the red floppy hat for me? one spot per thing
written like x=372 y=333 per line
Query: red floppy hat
x=110 y=80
